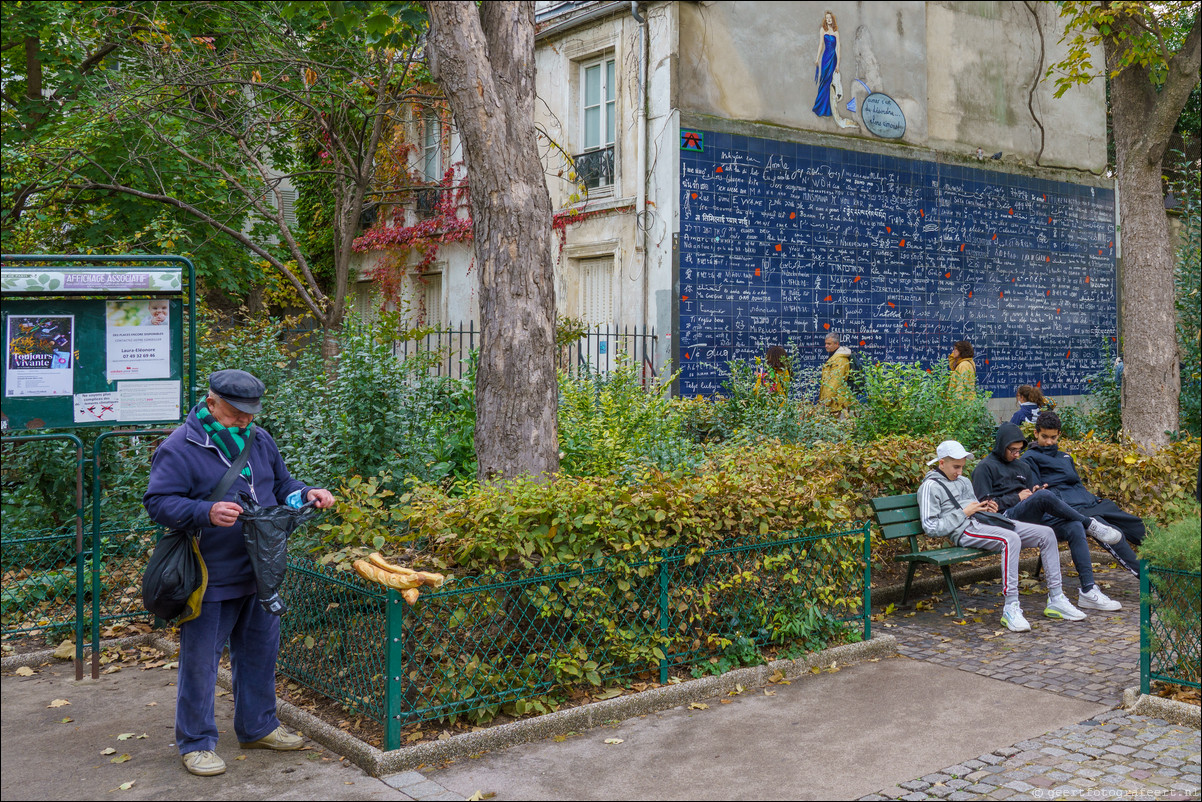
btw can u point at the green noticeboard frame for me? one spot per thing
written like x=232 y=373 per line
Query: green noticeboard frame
x=96 y=341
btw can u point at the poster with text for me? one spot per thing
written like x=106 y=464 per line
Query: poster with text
x=39 y=355
x=137 y=339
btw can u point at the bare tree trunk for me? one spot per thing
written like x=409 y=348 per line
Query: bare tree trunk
x=1143 y=118
x=483 y=57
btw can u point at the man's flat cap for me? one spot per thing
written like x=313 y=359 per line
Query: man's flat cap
x=239 y=389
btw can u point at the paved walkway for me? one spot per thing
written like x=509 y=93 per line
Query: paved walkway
x=968 y=711
x=1110 y=755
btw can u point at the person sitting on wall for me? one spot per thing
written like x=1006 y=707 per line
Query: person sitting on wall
x=1005 y=477
x=962 y=384
x=949 y=508
x=834 y=393
x=774 y=373
x=1056 y=470
x=1031 y=402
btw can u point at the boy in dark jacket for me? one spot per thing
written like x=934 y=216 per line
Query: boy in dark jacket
x=1006 y=477
x=1053 y=467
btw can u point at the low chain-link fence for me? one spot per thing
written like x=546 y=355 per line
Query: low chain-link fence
x=508 y=642
x=71 y=579
x=1170 y=613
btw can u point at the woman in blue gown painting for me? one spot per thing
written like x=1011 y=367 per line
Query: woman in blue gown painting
x=826 y=63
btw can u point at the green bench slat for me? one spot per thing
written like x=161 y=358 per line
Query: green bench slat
x=948 y=556
x=906 y=529
x=895 y=502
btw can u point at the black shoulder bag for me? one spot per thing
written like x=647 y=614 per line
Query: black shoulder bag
x=983 y=517
x=175 y=579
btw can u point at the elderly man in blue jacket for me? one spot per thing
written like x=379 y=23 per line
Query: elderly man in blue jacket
x=186 y=469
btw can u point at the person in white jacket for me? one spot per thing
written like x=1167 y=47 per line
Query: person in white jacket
x=949 y=508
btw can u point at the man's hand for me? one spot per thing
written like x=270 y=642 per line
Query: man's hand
x=988 y=505
x=1023 y=495
x=320 y=497
x=1037 y=488
x=224 y=513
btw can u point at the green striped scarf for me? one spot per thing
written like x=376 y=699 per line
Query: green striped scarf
x=230 y=439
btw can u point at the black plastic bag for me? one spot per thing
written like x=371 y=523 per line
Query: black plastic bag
x=175 y=579
x=265 y=531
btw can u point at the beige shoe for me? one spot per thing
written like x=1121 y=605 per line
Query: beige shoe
x=278 y=739
x=204 y=763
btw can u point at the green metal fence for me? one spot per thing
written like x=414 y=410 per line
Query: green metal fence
x=504 y=642
x=70 y=580
x=1170 y=631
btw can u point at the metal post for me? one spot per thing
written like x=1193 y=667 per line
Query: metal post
x=665 y=622
x=394 y=662
x=867 y=581
x=1145 y=629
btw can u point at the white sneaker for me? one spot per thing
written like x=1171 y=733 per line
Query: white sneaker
x=1060 y=607
x=1103 y=532
x=1012 y=617
x=1097 y=600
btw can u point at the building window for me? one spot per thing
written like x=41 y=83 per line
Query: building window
x=431 y=290
x=595 y=165
x=432 y=150
x=596 y=292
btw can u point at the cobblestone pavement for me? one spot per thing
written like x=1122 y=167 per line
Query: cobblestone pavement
x=1114 y=755
x=1111 y=756
x=1094 y=659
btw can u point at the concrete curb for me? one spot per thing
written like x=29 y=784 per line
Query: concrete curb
x=1170 y=710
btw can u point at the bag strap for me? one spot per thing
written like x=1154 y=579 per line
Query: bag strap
x=950 y=497
x=235 y=468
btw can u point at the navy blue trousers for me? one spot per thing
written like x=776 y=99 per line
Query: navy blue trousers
x=253 y=635
x=1068 y=524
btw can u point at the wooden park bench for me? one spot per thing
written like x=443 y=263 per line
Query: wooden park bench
x=898 y=517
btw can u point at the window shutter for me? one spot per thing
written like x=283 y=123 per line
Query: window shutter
x=596 y=291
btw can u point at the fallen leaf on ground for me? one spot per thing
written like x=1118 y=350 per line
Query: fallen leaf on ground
x=769 y=693
x=66 y=720
x=125 y=786
x=151 y=704
x=476 y=797
x=125 y=736
x=24 y=671
x=240 y=757
x=120 y=759
x=613 y=740
x=109 y=751
x=728 y=701
x=58 y=703
x=65 y=650
x=698 y=706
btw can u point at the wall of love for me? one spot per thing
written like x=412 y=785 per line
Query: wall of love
x=781 y=243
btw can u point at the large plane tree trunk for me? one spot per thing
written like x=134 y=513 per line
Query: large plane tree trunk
x=1143 y=118
x=483 y=58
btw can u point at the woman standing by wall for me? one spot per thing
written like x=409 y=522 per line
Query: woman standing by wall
x=962 y=384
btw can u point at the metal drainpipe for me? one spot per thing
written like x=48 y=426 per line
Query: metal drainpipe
x=640 y=204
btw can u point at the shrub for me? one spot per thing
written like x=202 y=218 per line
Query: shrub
x=1157 y=487
x=908 y=400
x=610 y=424
x=1175 y=545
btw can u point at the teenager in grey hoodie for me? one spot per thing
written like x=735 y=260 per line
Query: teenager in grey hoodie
x=949 y=508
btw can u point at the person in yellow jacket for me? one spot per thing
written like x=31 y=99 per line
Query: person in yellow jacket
x=834 y=393
x=962 y=384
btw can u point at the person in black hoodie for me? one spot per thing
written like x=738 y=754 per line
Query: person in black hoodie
x=1056 y=469
x=1006 y=477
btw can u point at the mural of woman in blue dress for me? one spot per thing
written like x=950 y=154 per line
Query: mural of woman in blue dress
x=826 y=63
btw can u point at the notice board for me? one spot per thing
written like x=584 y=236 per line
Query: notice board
x=113 y=355
x=782 y=243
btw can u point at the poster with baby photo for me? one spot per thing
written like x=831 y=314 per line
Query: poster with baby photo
x=137 y=339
